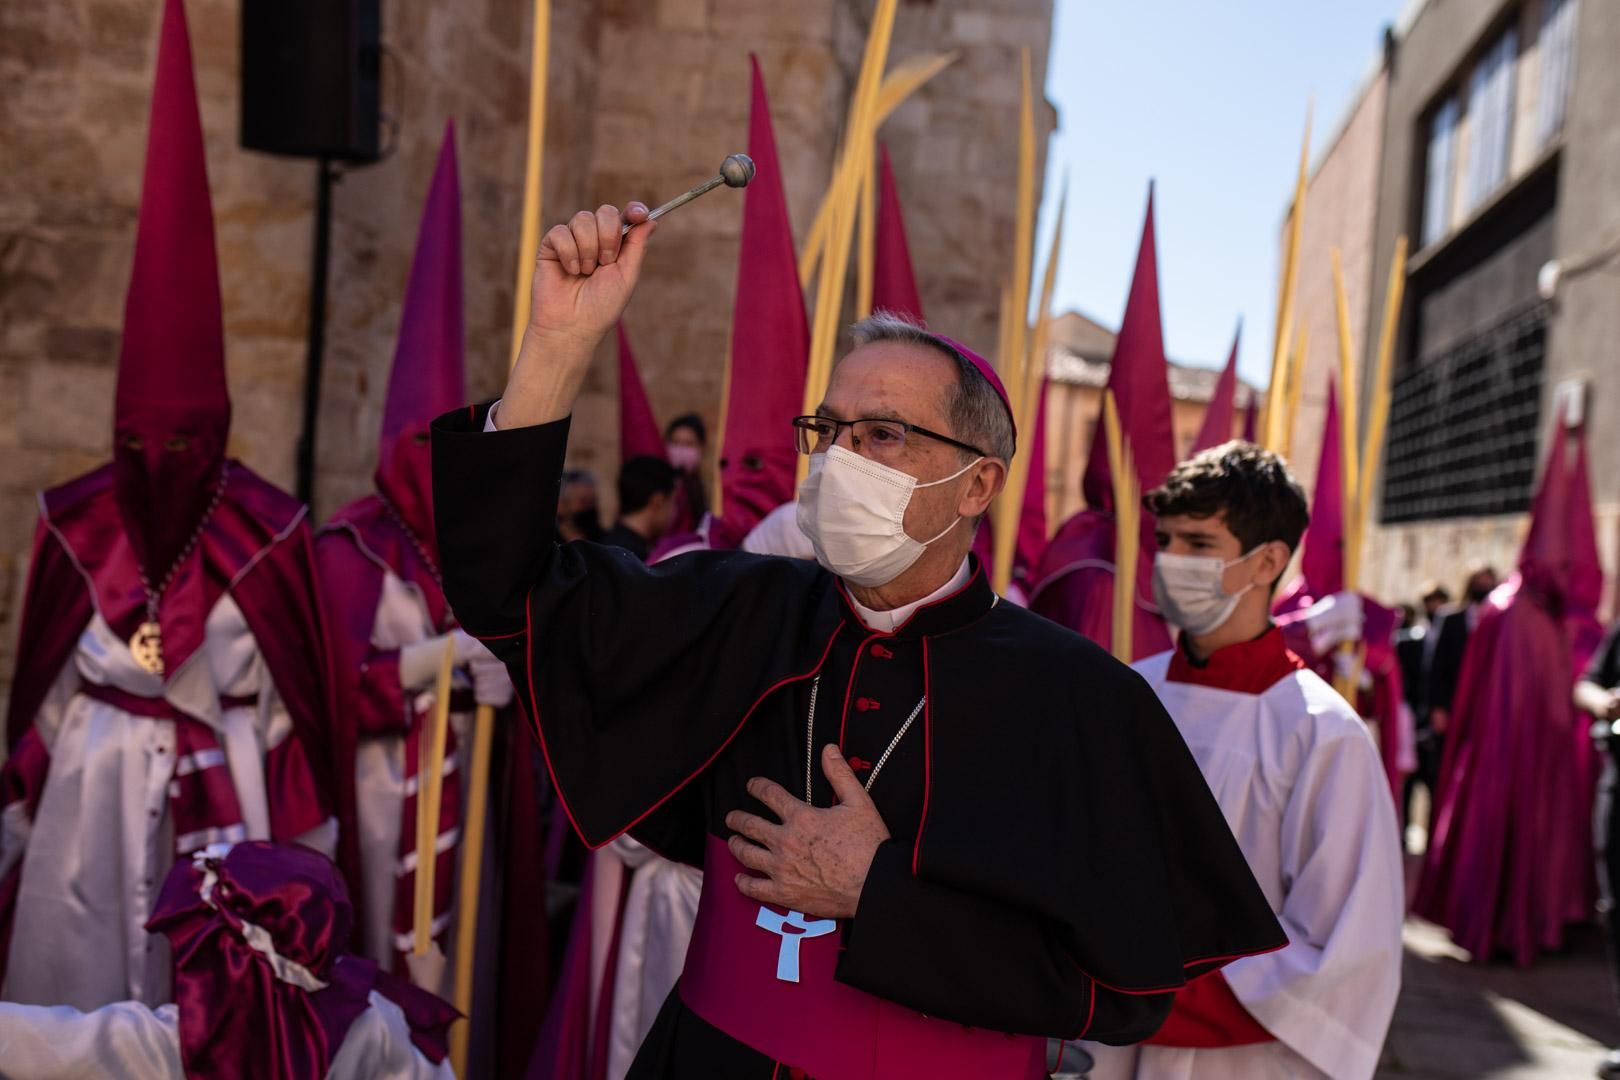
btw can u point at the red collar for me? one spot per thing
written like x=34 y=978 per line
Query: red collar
x=1249 y=667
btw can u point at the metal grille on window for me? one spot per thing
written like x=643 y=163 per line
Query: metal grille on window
x=1463 y=425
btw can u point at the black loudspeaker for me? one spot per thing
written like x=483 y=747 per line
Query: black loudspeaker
x=310 y=78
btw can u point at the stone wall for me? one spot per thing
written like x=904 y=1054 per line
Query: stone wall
x=644 y=98
x=953 y=146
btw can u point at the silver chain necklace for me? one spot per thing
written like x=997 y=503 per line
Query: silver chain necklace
x=416 y=541
x=810 y=741
x=146 y=645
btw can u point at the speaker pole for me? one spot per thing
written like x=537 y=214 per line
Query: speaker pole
x=326 y=175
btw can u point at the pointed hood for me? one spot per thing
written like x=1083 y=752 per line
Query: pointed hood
x=770 y=345
x=894 y=285
x=1544 y=561
x=172 y=411
x=1032 y=518
x=1251 y=419
x=1140 y=383
x=1585 y=567
x=1217 y=426
x=427 y=378
x=1322 y=561
x=639 y=435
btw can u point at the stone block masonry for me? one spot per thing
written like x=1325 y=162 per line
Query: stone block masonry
x=645 y=98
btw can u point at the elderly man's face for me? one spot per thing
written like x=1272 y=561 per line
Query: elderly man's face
x=891 y=381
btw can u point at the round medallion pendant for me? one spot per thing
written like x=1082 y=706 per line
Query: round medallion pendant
x=147 y=647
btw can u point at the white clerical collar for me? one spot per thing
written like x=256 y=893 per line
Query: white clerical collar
x=887 y=622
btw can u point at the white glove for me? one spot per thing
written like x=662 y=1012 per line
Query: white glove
x=419 y=661
x=468 y=648
x=1334 y=620
x=1348 y=664
x=492 y=685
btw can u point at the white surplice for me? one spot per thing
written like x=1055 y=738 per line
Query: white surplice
x=133 y=1042
x=660 y=910
x=101 y=842
x=1303 y=789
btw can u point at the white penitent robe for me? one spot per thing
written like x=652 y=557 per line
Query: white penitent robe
x=1303 y=789
x=654 y=931
x=133 y=1042
x=102 y=840
x=382 y=787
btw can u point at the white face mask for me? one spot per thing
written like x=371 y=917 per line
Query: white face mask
x=682 y=456
x=854 y=509
x=1188 y=590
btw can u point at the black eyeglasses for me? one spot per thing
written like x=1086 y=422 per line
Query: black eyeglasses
x=881 y=438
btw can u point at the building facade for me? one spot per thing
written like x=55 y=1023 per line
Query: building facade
x=645 y=97
x=1500 y=161
x=1341 y=203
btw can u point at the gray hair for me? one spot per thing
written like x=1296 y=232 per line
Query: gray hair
x=977 y=413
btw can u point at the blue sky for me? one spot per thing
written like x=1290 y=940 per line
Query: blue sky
x=1209 y=99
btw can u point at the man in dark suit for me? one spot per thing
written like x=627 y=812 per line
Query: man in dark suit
x=1412 y=647
x=1597 y=695
x=1448 y=641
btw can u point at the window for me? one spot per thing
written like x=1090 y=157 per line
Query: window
x=1437 y=172
x=1557 y=68
x=1490 y=119
x=1463 y=424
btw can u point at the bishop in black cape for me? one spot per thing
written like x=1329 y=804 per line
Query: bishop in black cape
x=1057 y=865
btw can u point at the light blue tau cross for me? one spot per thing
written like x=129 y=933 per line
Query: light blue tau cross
x=792 y=928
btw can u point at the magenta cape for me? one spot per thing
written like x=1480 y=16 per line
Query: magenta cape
x=1502 y=867
x=1076 y=586
x=355 y=548
x=1493 y=855
x=1585 y=634
x=257 y=546
x=571 y=1047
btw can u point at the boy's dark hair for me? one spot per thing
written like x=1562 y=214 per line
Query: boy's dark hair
x=693 y=423
x=1250 y=488
x=640 y=479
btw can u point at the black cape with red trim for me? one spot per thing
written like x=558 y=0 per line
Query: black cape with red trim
x=1066 y=839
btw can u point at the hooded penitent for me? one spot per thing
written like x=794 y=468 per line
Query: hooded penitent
x=1074 y=584
x=1497 y=870
x=152 y=541
x=391 y=532
x=770 y=346
x=1322 y=576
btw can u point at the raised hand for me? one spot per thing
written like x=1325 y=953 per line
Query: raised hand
x=815 y=862
x=585 y=273
x=583 y=279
